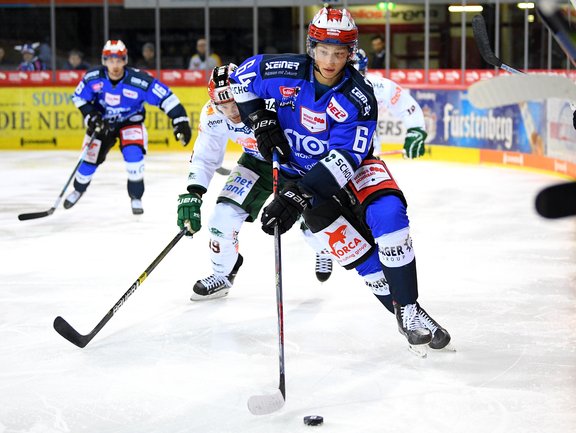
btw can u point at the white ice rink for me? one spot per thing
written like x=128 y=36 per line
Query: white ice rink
x=501 y=279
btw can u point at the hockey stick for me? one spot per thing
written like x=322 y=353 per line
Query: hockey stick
x=557 y=201
x=515 y=89
x=69 y=333
x=268 y=403
x=507 y=90
x=34 y=215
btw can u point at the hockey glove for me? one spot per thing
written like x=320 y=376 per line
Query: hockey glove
x=269 y=135
x=182 y=130
x=189 y=216
x=284 y=210
x=414 y=142
x=94 y=122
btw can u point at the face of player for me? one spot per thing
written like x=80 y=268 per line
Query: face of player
x=330 y=61
x=230 y=110
x=115 y=66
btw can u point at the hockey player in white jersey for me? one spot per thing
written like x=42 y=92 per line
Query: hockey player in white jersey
x=248 y=186
x=399 y=103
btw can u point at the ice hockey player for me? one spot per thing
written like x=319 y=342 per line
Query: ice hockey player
x=111 y=98
x=322 y=131
x=247 y=188
x=392 y=98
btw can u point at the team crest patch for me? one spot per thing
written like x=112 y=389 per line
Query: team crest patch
x=313 y=121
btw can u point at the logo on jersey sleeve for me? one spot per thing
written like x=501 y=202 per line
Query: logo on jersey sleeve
x=239 y=184
x=313 y=121
x=363 y=99
x=111 y=99
x=336 y=111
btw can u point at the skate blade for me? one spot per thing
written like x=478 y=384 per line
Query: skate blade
x=420 y=350
x=219 y=294
x=448 y=348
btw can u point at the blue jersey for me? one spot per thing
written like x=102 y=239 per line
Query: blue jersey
x=329 y=136
x=124 y=101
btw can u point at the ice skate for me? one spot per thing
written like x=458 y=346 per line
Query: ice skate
x=323 y=267
x=215 y=286
x=72 y=199
x=409 y=325
x=440 y=336
x=137 y=208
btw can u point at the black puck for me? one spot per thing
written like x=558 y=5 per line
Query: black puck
x=313 y=420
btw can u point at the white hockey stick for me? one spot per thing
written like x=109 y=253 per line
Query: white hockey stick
x=514 y=89
x=517 y=91
x=267 y=403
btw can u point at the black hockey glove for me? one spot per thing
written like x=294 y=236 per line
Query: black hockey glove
x=182 y=130
x=94 y=122
x=284 y=210
x=269 y=135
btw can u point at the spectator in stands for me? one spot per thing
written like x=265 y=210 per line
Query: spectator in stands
x=148 y=60
x=30 y=61
x=76 y=61
x=201 y=61
x=378 y=60
x=3 y=63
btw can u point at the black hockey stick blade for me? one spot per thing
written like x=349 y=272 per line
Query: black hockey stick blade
x=34 y=215
x=556 y=23
x=557 y=201
x=483 y=41
x=69 y=333
x=63 y=328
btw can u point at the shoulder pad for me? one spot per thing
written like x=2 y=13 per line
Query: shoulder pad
x=138 y=78
x=284 y=65
x=360 y=92
x=95 y=73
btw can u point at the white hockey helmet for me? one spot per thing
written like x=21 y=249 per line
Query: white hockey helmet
x=115 y=48
x=219 y=84
x=332 y=26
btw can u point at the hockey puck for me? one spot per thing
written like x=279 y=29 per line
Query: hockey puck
x=313 y=420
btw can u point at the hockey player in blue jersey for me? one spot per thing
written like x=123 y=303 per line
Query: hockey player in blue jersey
x=322 y=130
x=111 y=98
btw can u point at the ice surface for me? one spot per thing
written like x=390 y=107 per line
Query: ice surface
x=500 y=278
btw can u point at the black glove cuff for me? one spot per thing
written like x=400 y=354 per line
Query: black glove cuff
x=196 y=189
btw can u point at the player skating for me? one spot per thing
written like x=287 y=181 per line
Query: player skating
x=247 y=188
x=323 y=127
x=111 y=98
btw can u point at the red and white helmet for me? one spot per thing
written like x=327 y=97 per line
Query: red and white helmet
x=332 y=26
x=219 y=84
x=115 y=48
